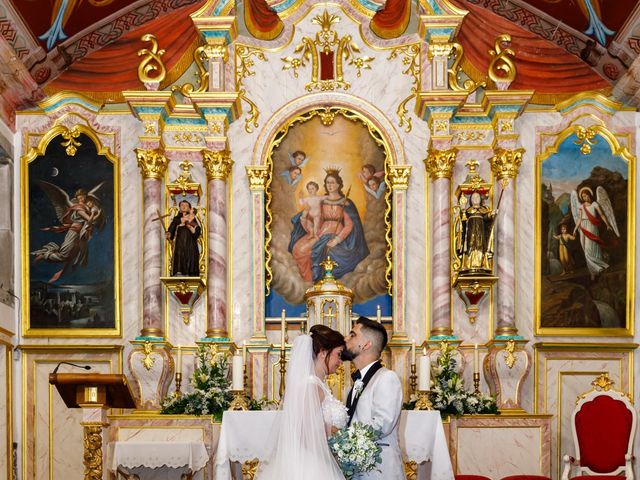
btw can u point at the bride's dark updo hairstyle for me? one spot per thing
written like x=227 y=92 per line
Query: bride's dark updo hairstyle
x=325 y=338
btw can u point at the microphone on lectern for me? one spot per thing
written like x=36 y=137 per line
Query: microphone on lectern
x=55 y=370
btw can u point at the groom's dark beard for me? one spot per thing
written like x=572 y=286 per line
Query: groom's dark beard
x=347 y=355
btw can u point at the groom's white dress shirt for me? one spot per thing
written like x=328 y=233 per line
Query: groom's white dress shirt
x=379 y=405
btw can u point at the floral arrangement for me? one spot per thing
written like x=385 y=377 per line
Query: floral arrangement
x=448 y=393
x=355 y=449
x=210 y=382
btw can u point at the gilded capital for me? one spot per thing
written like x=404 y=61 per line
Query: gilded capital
x=505 y=164
x=439 y=163
x=217 y=164
x=399 y=176
x=439 y=50
x=258 y=177
x=152 y=163
x=216 y=50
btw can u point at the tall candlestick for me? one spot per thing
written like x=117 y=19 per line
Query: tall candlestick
x=424 y=377
x=378 y=314
x=237 y=373
x=179 y=359
x=476 y=359
x=413 y=352
x=283 y=328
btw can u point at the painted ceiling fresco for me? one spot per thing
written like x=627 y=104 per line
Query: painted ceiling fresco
x=53 y=21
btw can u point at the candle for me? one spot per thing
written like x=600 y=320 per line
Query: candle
x=237 y=372
x=378 y=314
x=413 y=352
x=179 y=359
x=424 y=377
x=476 y=359
x=283 y=328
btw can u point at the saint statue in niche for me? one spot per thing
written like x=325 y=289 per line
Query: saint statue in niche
x=185 y=231
x=474 y=232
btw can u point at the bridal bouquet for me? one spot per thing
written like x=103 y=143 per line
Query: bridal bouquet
x=355 y=449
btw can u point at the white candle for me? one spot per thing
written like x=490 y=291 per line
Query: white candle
x=476 y=359
x=424 y=377
x=413 y=352
x=378 y=314
x=237 y=373
x=283 y=328
x=179 y=359
x=244 y=352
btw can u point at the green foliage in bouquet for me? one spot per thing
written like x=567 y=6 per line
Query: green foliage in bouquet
x=356 y=450
x=448 y=393
x=210 y=382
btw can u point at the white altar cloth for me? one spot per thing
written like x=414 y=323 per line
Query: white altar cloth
x=168 y=459
x=244 y=436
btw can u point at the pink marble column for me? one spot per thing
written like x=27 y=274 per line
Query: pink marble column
x=440 y=164
x=153 y=165
x=505 y=165
x=218 y=166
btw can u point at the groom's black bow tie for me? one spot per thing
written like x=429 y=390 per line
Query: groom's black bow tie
x=356 y=375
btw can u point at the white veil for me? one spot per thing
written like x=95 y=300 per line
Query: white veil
x=299 y=441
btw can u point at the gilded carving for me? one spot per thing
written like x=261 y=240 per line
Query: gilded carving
x=147 y=360
x=411 y=60
x=71 y=145
x=186 y=137
x=585 y=138
x=437 y=49
x=411 y=470
x=92 y=457
x=326 y=40
x=245 y=56
x=469 y=136
x=509 y=357
x=469 y=85
x=199 y=57
x=249 y=469
x=505 y=163
x=217 y=164
x=502 y=68
x=602 y=383
x=152 y=163
x=258 y=177
x=151 y=68
x=399 y=176
x=150 y=127
x=439 y=163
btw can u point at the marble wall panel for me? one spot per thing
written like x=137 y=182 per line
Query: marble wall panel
x=52 y=434
x=563 y=374
x=6 y=413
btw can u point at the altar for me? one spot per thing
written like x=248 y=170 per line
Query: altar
x=244 y=441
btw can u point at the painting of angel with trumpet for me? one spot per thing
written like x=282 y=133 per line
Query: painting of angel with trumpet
x=585 y=204
x=70 y=255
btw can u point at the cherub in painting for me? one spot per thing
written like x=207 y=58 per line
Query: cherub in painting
x=589 y=216
x=312 y=213
x=298 y=159
x=79 y=218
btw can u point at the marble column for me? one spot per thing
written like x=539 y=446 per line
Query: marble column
x=153 y=165
x=439 y=165
x=505 y=165
x=218 y=166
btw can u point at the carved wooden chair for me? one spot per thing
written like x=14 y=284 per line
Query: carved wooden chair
x=604 y=426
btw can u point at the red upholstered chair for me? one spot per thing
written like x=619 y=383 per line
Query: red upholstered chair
x=604 y=425
x=471 y=477
x=526 y=477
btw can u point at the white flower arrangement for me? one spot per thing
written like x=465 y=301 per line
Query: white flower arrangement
x=355 y=449
x=358 y=386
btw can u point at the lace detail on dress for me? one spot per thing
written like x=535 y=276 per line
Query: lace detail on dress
x=333 y=411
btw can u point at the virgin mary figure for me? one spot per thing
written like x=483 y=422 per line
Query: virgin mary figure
x=340 y=234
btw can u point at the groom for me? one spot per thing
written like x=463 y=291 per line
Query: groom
x=376 y=396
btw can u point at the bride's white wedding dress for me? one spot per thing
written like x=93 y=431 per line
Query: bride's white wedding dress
x=300 y=448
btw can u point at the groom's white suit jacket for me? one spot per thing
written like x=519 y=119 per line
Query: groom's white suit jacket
x=379 y=405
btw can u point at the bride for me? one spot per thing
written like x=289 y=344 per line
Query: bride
x=310 y=413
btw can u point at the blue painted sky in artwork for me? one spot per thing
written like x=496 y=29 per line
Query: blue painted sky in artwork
x=275 y=303
x=567 y=168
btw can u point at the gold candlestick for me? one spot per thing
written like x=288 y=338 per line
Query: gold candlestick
x=424 y=402
x=239 y=401
x=178 y=393
x=283 y=370
x=413 y=379
x=476 y=382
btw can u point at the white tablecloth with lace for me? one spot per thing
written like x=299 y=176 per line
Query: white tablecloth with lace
x=165 y=459
x=244 y=436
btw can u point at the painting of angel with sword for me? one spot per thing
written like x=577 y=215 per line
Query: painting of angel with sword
x=590 y=218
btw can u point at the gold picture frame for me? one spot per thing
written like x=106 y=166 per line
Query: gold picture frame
x=91 y=310
x=567 y=279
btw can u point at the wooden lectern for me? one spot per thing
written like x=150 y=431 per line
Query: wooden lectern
x=94 y=393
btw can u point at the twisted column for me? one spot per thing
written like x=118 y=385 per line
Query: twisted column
x=218 y=166
x=505 y=165
x=439 y=165
x=153 y=165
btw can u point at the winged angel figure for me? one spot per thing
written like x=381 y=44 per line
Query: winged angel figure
x=79 y=217
x=589 y=217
